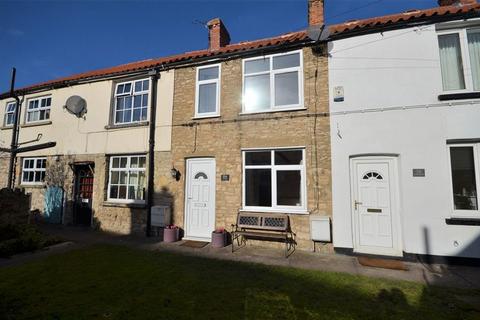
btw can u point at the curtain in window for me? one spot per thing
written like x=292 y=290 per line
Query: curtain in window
x=451 y=62
x=474 y=49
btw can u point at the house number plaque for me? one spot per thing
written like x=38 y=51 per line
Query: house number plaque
x=418 y=172
x=225 y=177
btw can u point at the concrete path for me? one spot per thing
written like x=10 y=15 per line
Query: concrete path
x=434 y=274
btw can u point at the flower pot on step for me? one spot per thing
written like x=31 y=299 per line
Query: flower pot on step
x=219 y=239
x=170 y=234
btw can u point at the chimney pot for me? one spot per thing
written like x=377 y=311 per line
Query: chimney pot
x=315 y=12
x=218 y=35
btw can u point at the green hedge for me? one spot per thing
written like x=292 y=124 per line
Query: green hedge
x=22 y=238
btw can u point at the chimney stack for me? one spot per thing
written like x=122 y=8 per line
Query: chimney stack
x=218 y=35
x=444 y=3
x=315 y=13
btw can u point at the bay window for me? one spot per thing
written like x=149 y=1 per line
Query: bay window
x=460 y=59
x=464 y=166
x=207 y=91
x=273 y=82
x=126 y=181
x=274 y=180
x=131 y=101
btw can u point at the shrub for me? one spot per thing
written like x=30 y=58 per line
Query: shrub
x=22 y=238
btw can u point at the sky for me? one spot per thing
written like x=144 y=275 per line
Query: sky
x=45 y=40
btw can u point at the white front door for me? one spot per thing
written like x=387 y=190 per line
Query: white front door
x=375 y=215
x=200 y=199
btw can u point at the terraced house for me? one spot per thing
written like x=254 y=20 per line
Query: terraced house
x=244 y=123
x=364 y=134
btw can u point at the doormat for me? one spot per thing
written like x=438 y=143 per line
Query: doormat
x=382 y=263
x=194 y=244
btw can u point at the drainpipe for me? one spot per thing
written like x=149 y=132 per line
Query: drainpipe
x=154 y=76
x=14 y=144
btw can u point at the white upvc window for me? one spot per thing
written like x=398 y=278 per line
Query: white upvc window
x=274 y=180
x=207 y=97
x=33 y=171
x=38 y=109
x=465 y=177
x=10 y=113
x=126 y=182
x=460 y=59
x=273 y=82
x=131 y=101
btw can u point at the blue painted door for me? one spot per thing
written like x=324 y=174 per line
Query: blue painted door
x=53 y=204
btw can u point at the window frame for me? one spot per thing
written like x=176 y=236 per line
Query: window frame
x=476 y=159
x=9 y=112
x=40 y=108
x=274 y=168
x=128 y=169
x=34 y=170
x=197 y=91
x=465 y=54
x=272 y=72
x=131 y=94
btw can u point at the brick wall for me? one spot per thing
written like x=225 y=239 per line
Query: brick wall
x=224 y=140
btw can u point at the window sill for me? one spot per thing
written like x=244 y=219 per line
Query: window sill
x=32 y=186
x=127 y=125
x=463 y=221
x=285 y=211
x=273 y=111
x=459 y=96
x=35 y=124
x=206 y=117
x=124 y=205
x=6 y=128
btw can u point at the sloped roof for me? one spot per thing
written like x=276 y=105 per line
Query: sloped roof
x=343 y=29
x=285 y=39
x=405 y=17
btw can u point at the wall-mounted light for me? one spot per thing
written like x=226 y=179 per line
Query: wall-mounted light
x=175 y=173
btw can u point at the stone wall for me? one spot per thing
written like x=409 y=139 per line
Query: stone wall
x=223 y=138
x=110 y=217
x=14 y=206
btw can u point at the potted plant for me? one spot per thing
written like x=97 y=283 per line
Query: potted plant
x=171 y=233
x=219 y=238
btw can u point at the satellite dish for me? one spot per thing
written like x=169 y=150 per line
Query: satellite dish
x=318 y=32
x=314 y=32
x=76 y=105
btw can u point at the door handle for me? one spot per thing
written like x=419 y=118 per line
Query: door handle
x=356 y=203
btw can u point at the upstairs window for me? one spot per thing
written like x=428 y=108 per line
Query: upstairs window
x=38 y=109
x=464 y=165
x=131 y=101
x=33 y=170
x=460 y=59
x=10 y=113
x=207 y=91
x=273 y=82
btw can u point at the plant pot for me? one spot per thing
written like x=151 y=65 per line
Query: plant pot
x=219 y=239
x=170 y=235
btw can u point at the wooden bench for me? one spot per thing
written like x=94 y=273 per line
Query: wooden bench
x=263 y=226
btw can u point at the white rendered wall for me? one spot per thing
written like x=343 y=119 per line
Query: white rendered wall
x=400 y=68
x=88 y=135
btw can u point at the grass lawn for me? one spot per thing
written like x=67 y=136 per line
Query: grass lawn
x=116 y=282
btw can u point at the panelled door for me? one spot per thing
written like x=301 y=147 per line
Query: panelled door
x=200 y=199
x=375 y=217
x=83 y=194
